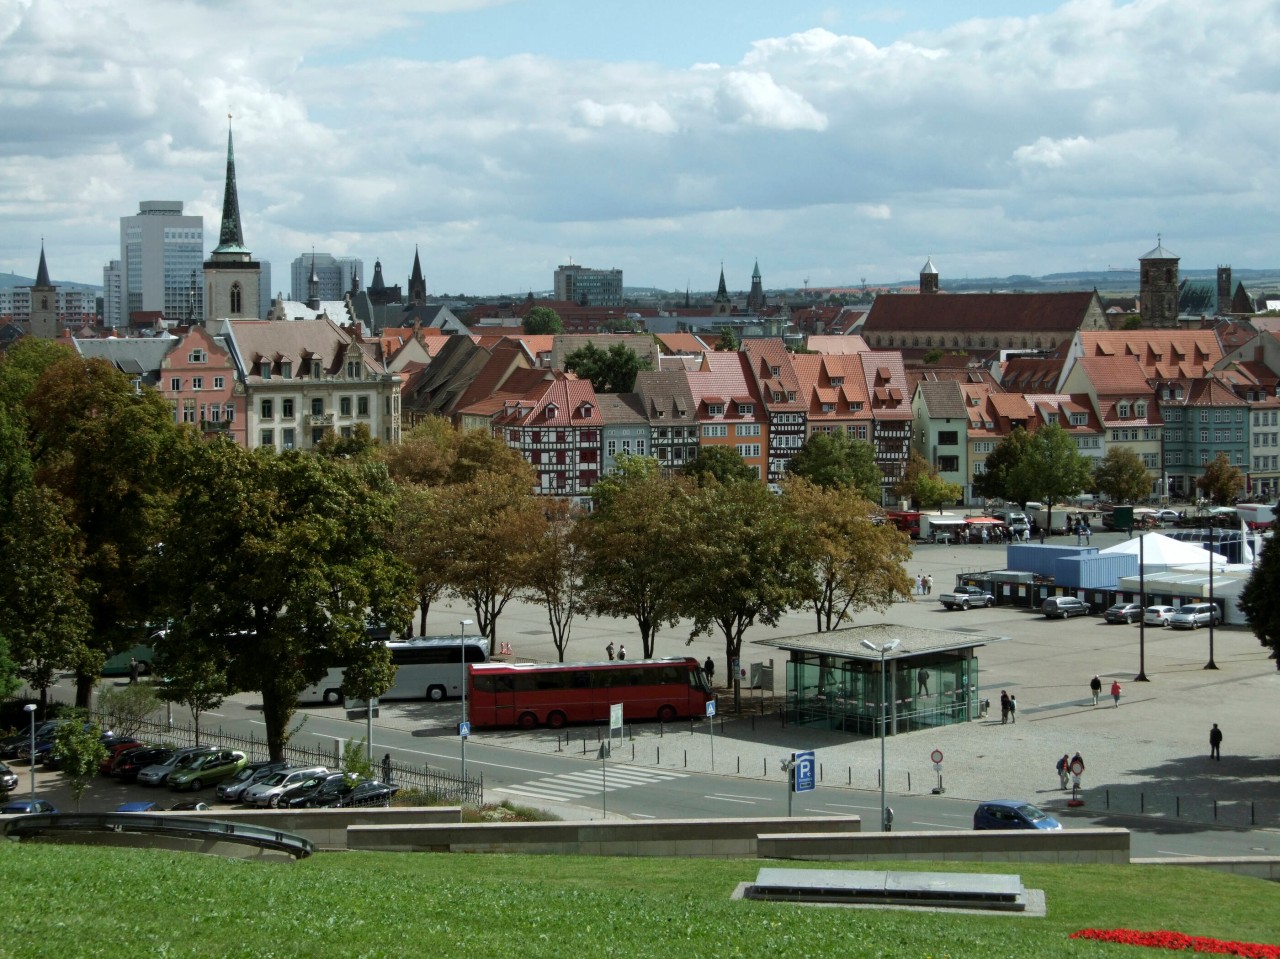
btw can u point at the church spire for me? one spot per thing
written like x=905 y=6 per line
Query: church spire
x=42 y=273
x=723 y=292
x=231 y=239
x=417 y=284
x=313 y=285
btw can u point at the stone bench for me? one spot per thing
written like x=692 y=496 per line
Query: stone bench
x=1101 y=845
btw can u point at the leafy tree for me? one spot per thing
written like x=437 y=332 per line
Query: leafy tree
x=355 y=759
x=22 y=366
x=360 y=443
x=422 y=544
x=198 y=682
x=273 y=564
x=610 y=371
x=719 y=463
x=833 y=459
x=917 y=466
x=856 y=562
x=728 y=341
x=932 y=356
x=80 y=751
x=1221 y=482
x=620 y=324
x=999 y=479
x=129 y=706
x=1260 y=598
x=481 y=452
x=1121 y=477
x=933 y=492
x=425 y=454
x=1132 y=323
x=9 y=678
x=556 y=569
x=541 y=321
x=632 y=542
x=1055 y=468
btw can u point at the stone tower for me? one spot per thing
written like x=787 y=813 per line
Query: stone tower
x=231 y=275
x=44 y=304
x=722 y=305
x=1158 y=287
x=928 y=276
x=1224 y=291
x=756 y=299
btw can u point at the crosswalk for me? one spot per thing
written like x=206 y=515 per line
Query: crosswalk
x=568 y=787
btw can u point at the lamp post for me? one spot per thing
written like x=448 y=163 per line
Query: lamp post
x=884 y=717
x=1142 y=623
x=1213 y=610
x=30 y=709
x=462 y=658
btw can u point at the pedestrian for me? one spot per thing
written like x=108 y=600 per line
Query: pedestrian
x=922 y=681
x=133 y=670
x=920 y=584
x=709 y=667
x=386 y=769
x=1004 y=707
x=928 y=584
x=1215 y=743
x=1079 y=534
x=1095 y=687
x=1064 y=770
x=609 y=649
x=1041 y=535
x=1115 y=693
x=984 y=536
x=1013 y=708
x=622 y=652
x=1088 y=533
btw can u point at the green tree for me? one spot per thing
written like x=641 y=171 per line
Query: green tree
x=632 y=543
x=359 y=444
x=555 y=571
x=610 y=371
x=1260 y=598
x=425 y=454
x=917 y=466
x=198 y=682
x=78 y=745
x=728 y=341
x=1221 y=482
x=931 y=491
x=1055 y=469
x=1121 y=477
x=833 y=459
x=128 y=706
x=856 y=562
x=542 y=321
x=9 y=678
x=721 y=464
x=272 y=566
x=1000 y=476
x=422 y=544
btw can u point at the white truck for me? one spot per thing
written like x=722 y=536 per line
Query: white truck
x=965 y=596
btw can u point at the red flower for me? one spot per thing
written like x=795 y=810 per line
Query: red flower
x=1177 y=940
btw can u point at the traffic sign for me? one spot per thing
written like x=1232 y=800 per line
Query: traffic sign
x=804 y=772
x=464 y=730
x=936 y=756
x=711 y=709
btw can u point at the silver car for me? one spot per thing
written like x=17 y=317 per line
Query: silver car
x=1158 y=615
x=1195 y=615
x=233 y=789
x=158 y=774
x=269 y=791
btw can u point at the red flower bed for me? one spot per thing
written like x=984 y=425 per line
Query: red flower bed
x=1178 y=940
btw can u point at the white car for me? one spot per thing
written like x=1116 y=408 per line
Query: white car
x=1158 y=615
x=1166 y=515
x=269 y=791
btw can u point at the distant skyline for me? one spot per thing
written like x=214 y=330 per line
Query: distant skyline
x=830 y=141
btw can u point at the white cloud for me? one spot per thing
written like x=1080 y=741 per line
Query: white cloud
x=649 y=117
x=1052 y=153
x=755 y=99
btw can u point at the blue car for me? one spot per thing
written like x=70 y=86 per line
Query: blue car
x=1012 y=814
x=140 y=806
x=22 y=807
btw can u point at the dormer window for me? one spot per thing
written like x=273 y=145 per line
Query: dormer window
x=1079 y=419
x=837 y=381
x=1140 y=409
x=1164 y=394
x=715 y=409
x=791 y=396
x=828 y=407
x=353 y=369
x=1122 y=409
x=775 y=371
x=198 y=356
x=317 y=370
x=746 y=409
x=551 y=410
x=286 y=369
x=264 y=369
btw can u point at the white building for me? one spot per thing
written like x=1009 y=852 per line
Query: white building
x=161 y=261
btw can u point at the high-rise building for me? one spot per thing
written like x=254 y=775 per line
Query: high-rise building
x=113 y=295
x=334 y=272
x=588 y=287
x=232 y=277
x=161 y=252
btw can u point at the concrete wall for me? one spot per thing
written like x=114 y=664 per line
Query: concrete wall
x=1033 y=845
x=713 y=838
x=1259 y=867
x=327 y=828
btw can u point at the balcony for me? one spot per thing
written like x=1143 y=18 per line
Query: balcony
x=320 y=419
x=215 y=426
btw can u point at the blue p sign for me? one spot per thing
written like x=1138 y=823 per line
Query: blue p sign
x=804 y=772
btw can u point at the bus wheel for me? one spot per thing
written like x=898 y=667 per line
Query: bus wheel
x=436 y=694
x=667 y=714
x=556 y=720
x=528 y=721
x=332 y=697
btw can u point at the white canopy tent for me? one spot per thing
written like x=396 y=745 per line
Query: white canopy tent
x=1163 y=552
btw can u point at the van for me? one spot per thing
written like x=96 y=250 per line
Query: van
x=1195 y=615
x=1062 y=607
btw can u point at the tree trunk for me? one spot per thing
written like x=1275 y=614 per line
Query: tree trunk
x=84 y=690
x=276 y=712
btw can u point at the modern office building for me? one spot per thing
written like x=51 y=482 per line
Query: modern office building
x=113 y=295
x=588 y=287
x=335 y=274
x=161 y=257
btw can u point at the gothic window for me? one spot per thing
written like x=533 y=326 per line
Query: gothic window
x=1168 y=276
x=236 y=298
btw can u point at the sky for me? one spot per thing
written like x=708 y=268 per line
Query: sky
x=829 y=141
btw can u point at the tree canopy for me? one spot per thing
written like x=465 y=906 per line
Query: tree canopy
x=1044 y=465
x=1121 y=477
x=542 y=321
x=834 y=459
x=1260 y=598
x=610 y=371
x=1221 y=482
x=719 y=463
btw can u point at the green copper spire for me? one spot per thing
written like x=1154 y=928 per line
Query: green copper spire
x=231 y=239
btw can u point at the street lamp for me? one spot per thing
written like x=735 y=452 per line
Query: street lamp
x=30 y=709
x=462 y=658
x=884 y=718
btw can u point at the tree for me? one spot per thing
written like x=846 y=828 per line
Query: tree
x=422 y=544
x=931 y=491
x=833 y=459
x=273 y=564
x=632 y=542
x=542 y=321
x=9 y=678
x=917 y=466
x=425 y=454
x=997 y=479
x=78 y=745
x=1260 y=598
x=610 y=371
x=1054 y=468
x=856 y=562
x=721 y=464
x=128 y=706
x=198 y=682
x=482 y=452
x=728 y=341
x=1121 y=477
x=360 y=443
x=1221 y=482
x=556 y=568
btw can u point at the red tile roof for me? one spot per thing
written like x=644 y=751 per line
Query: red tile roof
x=979 y=313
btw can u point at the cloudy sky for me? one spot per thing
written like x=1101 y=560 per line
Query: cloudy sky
x=831 y=140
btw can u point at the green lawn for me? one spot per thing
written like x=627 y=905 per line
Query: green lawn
x=69 y=901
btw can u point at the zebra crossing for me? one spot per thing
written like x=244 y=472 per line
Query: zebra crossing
x=568 y=787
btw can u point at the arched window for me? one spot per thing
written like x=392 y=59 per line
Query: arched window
x=1168 y=276
x=236 y=298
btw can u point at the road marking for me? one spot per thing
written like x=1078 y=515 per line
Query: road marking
x=745 y=802
x=739 y=796
x=589 y=782
x=1166 y=852
x=938 y=825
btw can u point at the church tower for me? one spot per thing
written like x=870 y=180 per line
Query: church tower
x=231 y=275
x=1224 y=291
x=417 y=285
x=1158 y=287
x=722 y=305
x=313 y=286
x=756 y=299
x=929 y=279
x=44 y=303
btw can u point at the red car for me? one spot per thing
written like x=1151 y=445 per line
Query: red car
x=114 y=749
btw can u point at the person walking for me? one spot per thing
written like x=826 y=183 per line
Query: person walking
x=622 y=652
x=1115 y=693
x=1215 y=743
x=928 y=584
x=1013 y=708
x=386 y=769
x=1064 y=771
x=709 y=667
x=920 y=584
x=133 y=670
x=609 y=649
x=922 y=682
x=1004 y=707
x=1095 y=687
x=1041 y=535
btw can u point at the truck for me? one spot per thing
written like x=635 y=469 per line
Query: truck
x=1256 y=515
x=965 y=596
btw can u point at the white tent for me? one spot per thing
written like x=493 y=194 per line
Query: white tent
x=1164 y=551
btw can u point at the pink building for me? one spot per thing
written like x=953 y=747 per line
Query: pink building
x=198 y=378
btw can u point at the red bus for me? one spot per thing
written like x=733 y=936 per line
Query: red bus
x=906 y=520
x=530 y=694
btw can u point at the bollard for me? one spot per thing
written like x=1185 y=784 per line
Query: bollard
x=658 y=762
x=820 y=772
x=686 y=759
x=1108 y=801
x=908 y=782
x=739 y=765
x=1215 y=809
x=764 y=768
x=850 y=775
x=633 y=752
x=877 y=779
x=1177 y=807
x=584 y=745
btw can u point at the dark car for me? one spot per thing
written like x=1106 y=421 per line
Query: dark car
x=1063 y=607
x=22 y=807
x=233 y=789
x=296 y=797
x=1123 y=613
x=52 y=760
x=350 y=792
x=191 y=805
x=141 y=805
x=132 y=761
x=1012 y=814
x=8 y=779
x=10 y=745
x=114 y=749
x=44 y=746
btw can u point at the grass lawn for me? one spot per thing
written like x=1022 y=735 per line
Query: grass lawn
x=70 y=901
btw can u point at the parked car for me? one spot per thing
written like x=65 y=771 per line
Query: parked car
x=1166 y=516
x=208 y=769
x=233 y=789
x=131 y=762
x=189 y=806
x=144 y=805
x=1195 y=615
x=300 y=794
x=45 y=744
x=159 y=774
x=962 y=597
x=1158 y=615
x=1012 y=814
x=8 y=779
x=10 y=745
x=354 y=792
x=1123 y=613
x=269 y=791
x=114 y=749
x=25 y=807
x=52 y=759
x=1062 y=607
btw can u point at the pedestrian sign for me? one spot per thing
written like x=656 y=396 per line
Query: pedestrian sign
x=615 y=717
x=464 y=730
x=804 y=772
x=711 y=709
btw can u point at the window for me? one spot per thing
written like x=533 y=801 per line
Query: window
x=1204 y=436
x=1079 y=419
x=189 y=411
x=264 y=369
x=287 y=439
x=286 y=408
x=197 y=356
x=353 y=370
x=236 y=299
x=344 y=405
x=317 y=405
x=948 y=464
x=1122 y=409
x=268 y=410
x=746 y=409
x=267 y=438
x=1140 y=409
x=948 y=438
x=1204 y=416
x=362 y=406
x=175 y=384
x=712 y=431
x=286 y=369
x=230 y=412
x=715 y=409
x=748 y=429
x=979 y=468
x=197 y=382
x=219 y=383
x=748 y=450
x=317 y=370
x=612 y=447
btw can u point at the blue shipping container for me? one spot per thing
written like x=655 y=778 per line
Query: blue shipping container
x=1034 y=558
x=1102 y=571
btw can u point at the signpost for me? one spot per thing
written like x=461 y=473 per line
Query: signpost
x=711 y=719
x=1077 y=770
x=802 y=771
x=936 y=756
x=606 y=749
